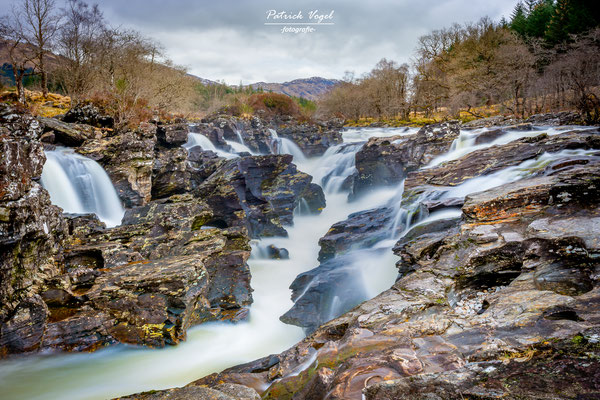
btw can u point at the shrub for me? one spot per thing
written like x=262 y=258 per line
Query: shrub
x=274 y=104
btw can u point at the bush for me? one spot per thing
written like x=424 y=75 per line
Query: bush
x=274 y=104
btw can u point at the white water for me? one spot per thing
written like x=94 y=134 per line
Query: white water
x=212 y=347
x=79 y=185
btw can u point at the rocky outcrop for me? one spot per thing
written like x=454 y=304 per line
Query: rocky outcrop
x=31 y=234
x=59 y=132
x=147 y=281
x=312 y=138
x=88 y=114
x=259 y=192
x=489 y=305
x=359 y=230
x=495 y=158
x=128 y=158
x=172 y=135
x=552 y=119
x=385 y=161
x=223 y=391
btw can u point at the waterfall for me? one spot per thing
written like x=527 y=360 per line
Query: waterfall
x=281 y=145
x=215 y=346
x=79 y=185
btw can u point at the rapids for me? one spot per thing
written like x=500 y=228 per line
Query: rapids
x=211 y=347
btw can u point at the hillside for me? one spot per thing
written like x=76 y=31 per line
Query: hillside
x=309 y=88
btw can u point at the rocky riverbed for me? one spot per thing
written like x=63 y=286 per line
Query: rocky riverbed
x=444 y=262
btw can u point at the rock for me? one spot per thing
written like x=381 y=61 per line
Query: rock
x=88 y=114
x=128 y=158
x=24 y=329
x=277 y=253
x=510 y=288
x=359 y=230
x=489 y=136
x=31 y=234
x=66 y=133
x=259 y=192
x=385 y=161
x=172 y=135
x=170 y=173
x=314 y=293
x=150 y=279
x=213 y=133
x=224 y=391
x=489 y=160
x=312 y=138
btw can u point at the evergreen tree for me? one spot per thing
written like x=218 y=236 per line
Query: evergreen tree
x=539 y=17
x=572 y=17
x=518 y=21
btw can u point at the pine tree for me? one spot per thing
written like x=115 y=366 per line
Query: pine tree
x=539 y=17
x=572 y=17
x=518 y=21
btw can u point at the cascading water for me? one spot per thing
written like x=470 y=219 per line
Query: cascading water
x=79 y=185
x=281 y=145
x=212 y=347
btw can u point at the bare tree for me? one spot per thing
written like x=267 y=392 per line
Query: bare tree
x=19 y=53
x=79 y=42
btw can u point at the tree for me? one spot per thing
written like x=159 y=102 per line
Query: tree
x=518 y=20
x=39 y=24
x=82 y=25
x=19 y=53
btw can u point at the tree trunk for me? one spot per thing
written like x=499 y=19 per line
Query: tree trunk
x=18 y=73
x=44 y=76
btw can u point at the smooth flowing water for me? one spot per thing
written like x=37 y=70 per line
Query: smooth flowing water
x=212 y=347
x=79 y=185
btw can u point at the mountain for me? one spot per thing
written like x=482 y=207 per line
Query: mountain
x=309 y=88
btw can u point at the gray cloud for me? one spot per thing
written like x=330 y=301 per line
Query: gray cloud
x=227 y=40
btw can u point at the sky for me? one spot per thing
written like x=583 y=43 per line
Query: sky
x=228 y=40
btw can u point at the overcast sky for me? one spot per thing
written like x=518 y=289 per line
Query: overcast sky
x=228 y=40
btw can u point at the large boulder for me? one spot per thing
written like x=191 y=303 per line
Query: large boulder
x=312 y=138
x=147 y=281
x=88 y=114
x=66 y=133
x=259 y=192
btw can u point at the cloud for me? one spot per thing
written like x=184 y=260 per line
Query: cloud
x=227 y=40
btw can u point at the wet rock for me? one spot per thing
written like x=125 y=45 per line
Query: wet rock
x=312 y=138
x=88 y=114
x=488 y=136
x=170 y=173
x=487 y=161
x=385 y=161
x=259 y=192
x=31 y=233
x=277 y=253
x=172 y=135
x=486 y=303
x=128 y=158
x=23 y=330
x=359 y=230
x=66 y=133
x=150 y=279
x=213 y=133
x=324 y=293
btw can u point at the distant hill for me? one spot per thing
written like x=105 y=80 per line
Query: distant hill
x=309 y=88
